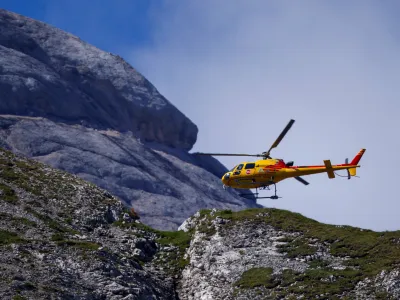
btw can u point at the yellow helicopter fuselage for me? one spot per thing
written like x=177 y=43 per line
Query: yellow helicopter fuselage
x=250 y=175
x=269 y=171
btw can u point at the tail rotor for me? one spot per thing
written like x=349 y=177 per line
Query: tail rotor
x=346 y=161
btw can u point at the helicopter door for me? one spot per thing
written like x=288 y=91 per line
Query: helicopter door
x=249 y=169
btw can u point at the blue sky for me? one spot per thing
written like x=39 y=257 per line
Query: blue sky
x=241 y=69
x=114 y=26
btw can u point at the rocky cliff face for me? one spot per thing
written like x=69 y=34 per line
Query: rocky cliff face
x=276 y=254
x=80 y=109
x=49 y=73
x=164 y=185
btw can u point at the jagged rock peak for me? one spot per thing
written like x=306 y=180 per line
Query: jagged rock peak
x=46 y=72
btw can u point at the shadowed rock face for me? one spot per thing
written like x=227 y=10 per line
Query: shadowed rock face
x=88 y=112
x=47 y=72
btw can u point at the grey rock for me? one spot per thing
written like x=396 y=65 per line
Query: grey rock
x=88 y=112
x=53 y=243
x=164 y=185
x=64 y=238
x=221 y=252
x=50 y=73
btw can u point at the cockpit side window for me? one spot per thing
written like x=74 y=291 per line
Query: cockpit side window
x=250 y=166
x=237 y=172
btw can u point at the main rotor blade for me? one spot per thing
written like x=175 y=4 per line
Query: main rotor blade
x=301 y=180
x=280 y=137
x=227 y=154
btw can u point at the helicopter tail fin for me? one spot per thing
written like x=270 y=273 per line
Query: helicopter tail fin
x=357 y=158
x=352 y=172
x=355 y=161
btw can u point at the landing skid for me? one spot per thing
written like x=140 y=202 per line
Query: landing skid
x=274 y=197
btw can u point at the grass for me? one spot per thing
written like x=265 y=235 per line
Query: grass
x=84 y=245
x=298 y=247
x=22 y=178
x=8 y=194
x=329 y=282
x=382 y=295
x=132 y=225
x=257 y=277
x=178 y=239
x=16 y=221
x=318 y=263
x=51 y=223
x=60 y=240
x=8 y=237
x=313 y=282
x=8 y=174
x=25 y=175
x=57 y=237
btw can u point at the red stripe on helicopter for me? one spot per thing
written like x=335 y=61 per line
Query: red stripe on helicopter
x=295 y=167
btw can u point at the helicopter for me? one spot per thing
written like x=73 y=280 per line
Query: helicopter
x=267 y=171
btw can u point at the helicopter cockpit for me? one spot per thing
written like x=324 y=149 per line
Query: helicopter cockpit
x=267 y=162
x=237 y=169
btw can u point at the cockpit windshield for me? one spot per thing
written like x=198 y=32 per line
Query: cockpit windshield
x=233 y=169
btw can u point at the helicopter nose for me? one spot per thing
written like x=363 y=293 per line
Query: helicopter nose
x=226 y=177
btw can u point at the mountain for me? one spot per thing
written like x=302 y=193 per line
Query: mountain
x=276 y=254
x=64 y=238
x=88 y=112
x=46 y=72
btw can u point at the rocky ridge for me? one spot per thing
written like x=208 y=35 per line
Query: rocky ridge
x=88 y=112
x=64 y=238
x=276 y=254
